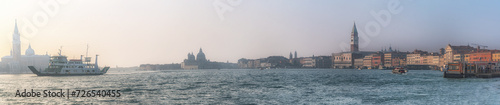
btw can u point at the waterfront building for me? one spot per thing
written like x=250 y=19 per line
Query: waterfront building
x=345 y=60
x=436 y=60
x=190 y=63
x=413 y=59
x=249 y=63
x=458 y=58
x=483 y=56
x=456 y=53
x=442 y=62
x=378 y=60
x=200 y=62
x=17 y=63
x=496 y=57
x=316 y=62
x=480 y=57
x=309 y=62
x=348 y=59
x=323 y=61
x=367 y=61
x=416 y=57
x=358 y=63
x=431 y=59
x=245 y=63
x=398 y=62
x=268 y=63
x=467 y=58
x=419 y=59
x=200 y=57
x=392 y=58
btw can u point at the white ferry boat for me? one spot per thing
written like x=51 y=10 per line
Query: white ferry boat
x=60 y=66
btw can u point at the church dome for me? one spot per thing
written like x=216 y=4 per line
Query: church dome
x=29 y=51
x=201 y=56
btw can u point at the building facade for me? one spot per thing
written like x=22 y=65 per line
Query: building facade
x=393 y=58
x=367 y=61
x=378 y=60
x=496 y=57
x=480 y=57
x=456 y=53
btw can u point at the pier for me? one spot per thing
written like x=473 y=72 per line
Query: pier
x=472 y=70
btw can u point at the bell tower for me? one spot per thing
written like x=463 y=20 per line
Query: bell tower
x=354 y=39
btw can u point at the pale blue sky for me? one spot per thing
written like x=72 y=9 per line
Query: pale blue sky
x=132 y=32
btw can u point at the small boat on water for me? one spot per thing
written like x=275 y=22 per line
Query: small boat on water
x=382 y=68
x=399 y=70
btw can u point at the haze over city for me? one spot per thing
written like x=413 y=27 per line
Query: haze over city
x=129 y=33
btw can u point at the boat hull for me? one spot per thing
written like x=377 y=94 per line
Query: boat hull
x=66 y=74
x=396 y=72
x=38 y=73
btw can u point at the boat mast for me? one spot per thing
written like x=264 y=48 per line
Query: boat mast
x=60 y=52
x=87 y=53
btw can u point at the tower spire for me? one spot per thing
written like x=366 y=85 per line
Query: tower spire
x=16 y=43
x=15 y=27
x=354 y=39
x=354 y=29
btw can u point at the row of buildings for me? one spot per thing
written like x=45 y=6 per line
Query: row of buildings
x=417 y=59
x=383 y=59
x=272 y=62
x=160 y=67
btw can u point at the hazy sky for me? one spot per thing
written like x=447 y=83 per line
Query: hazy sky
x=133 y=32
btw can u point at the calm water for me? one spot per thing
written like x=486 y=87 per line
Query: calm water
x=304 y=86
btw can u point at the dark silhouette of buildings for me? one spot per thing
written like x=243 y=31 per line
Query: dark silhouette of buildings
x=201 y=62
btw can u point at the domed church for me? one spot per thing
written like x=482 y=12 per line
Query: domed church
x=17 y=63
